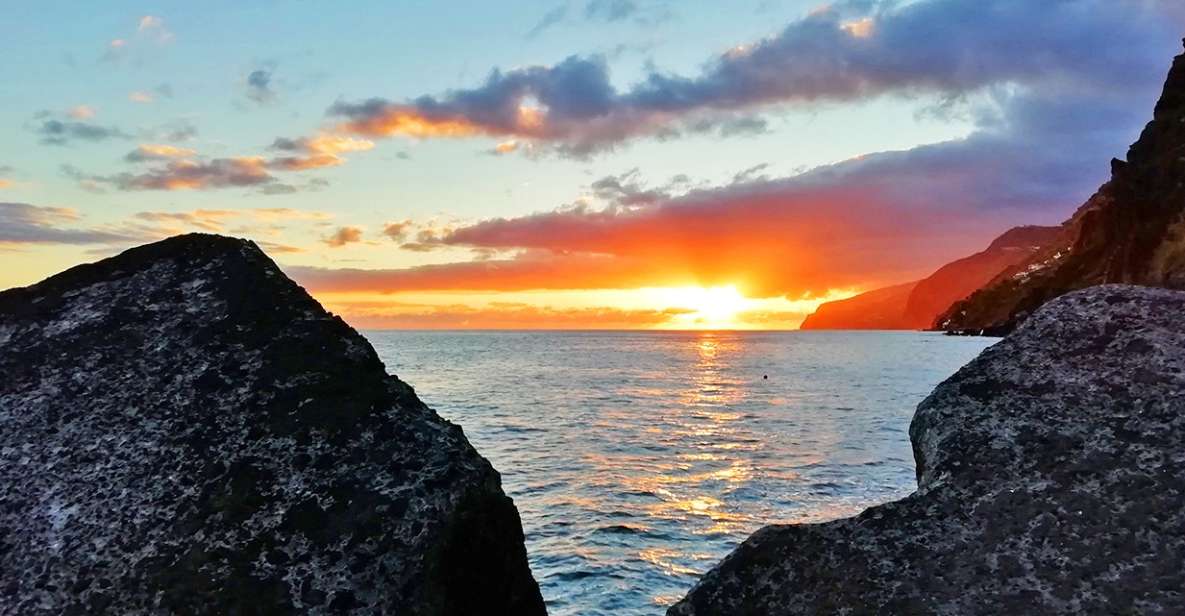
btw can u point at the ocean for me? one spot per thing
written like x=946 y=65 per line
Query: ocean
x=639 y=459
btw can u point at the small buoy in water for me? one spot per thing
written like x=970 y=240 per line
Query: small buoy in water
x=765 y=377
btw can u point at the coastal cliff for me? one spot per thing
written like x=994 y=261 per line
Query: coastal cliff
x=1131 y=231
x=1050 y=481
x=915 y=305
x=184 y=430
x=876 y=309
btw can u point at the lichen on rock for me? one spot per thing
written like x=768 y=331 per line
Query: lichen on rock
x=184 y=430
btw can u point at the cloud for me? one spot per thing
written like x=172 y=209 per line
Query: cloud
x=497 y=315
x=343 y=236
x=848 y=52
x=5 y=183
x=549 y=19
x=154 y=27
x=274 y=248
x=252 y=222
x=276 y=188
x=879 y=218
x=182 y=169
x=156 y=152
x=752 y=173
x=322 y=150
x=882 y=217
x=142 y=97
x=149 y=28
x=259 y=86
x=604 y=11
x=176 y=131
x=207 y=220
x=527 y=271
x=397 y=231
x=627 y=190
x=149 y=22
x=81 y=112
x=186 y=174
x=610 y=10
x=505 y=147
x=63 y=132
x=23 y=224
x=114 y=51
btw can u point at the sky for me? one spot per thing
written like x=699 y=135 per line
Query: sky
x=567 y=164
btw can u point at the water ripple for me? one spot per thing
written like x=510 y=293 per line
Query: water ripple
x=638 y=460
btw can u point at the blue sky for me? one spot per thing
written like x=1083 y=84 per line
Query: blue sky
x=824 y=118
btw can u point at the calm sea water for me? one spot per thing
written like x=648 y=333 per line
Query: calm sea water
x=638 y=460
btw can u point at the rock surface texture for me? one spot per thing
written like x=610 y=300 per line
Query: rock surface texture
x=1131 y=231
x=1051 y=480
x=184 y=430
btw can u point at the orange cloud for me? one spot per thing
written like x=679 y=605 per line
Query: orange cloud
x=5 y=183
x=650 y=308
x=767 y=243
x=156 y=151
x=529 y=270
x=853 y=225
x=860 y=28
x=304 y=163
x=273 y=214
x=206 y=220
x=316 y=152
x=397 y=231
x=402 y=120
x=189 y=175
x=251 y=222
x=140 y=97
x=398 y=315
x=337 y=144
x=344 y=236
x=274 y=248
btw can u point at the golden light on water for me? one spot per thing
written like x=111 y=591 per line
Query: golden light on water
x=652 y=455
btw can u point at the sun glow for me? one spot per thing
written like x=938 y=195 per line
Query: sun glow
x=706 y=307
x=673 y=308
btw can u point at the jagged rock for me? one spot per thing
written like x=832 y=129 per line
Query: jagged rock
x=915 y=305
x=1131 y=231
x=1051 y=480
x=184 y=430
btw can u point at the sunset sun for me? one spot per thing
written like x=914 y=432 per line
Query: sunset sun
x=706 y=307
x=574 y=307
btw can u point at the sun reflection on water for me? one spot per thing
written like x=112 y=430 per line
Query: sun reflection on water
x=637 y=461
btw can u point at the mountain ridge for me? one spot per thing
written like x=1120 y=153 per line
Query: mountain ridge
x=1131 y=231
x=915 y=305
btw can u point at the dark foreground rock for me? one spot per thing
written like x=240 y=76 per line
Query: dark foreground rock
x=1051 y=480
x=184 y=430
